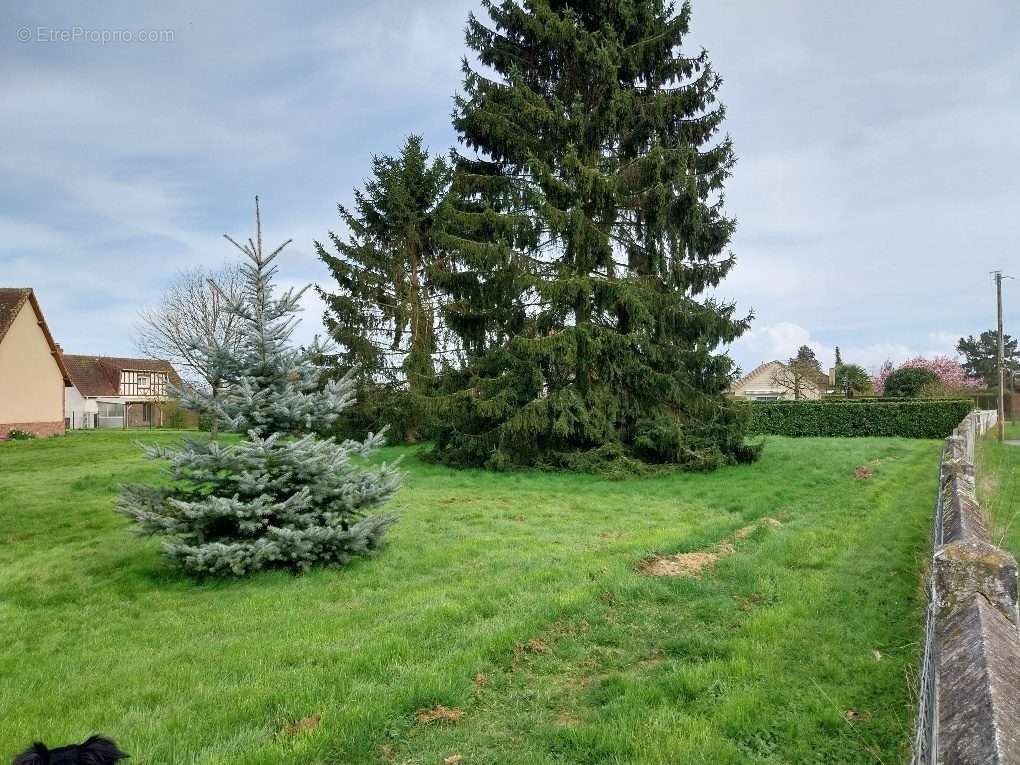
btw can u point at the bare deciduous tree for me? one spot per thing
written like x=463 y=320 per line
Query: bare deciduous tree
x=189 y=318
x=793 y=380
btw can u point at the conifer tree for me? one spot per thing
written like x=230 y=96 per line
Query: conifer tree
x=384 y=316
x=981 y=356
x=587 y=223
x=281 y=497
x=801 y=375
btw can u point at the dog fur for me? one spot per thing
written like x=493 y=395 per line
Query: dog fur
x=96 y=750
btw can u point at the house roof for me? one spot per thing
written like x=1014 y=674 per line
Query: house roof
x=12 y=300
x=821 y=383
x=760 y=368
x=100 y=375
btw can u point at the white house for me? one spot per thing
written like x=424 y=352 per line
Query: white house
x=109 y=392
x=766 y=383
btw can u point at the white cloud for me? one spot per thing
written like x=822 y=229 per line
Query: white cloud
x=871 y=200
x=766 y=342
x=777 y=341
x=872 y=356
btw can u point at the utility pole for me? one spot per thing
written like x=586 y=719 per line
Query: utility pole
x=1002 y=380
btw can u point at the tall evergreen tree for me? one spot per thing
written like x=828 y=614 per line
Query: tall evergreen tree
x=281 y=497
x=801 y=375
x=587 y=225
x=981 y=357
x=807 y=359
x=851 y=379
x=384 y=315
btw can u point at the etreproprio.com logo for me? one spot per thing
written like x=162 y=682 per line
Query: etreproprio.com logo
x=77 y=34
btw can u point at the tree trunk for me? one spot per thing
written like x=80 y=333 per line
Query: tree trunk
x=214 y=425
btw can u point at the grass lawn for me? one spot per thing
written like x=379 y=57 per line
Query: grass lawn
x=998 y=471
x=510 y=598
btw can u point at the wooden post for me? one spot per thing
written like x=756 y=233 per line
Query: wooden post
x=1002 y=380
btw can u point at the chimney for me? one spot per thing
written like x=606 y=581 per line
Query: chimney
x=832 y=376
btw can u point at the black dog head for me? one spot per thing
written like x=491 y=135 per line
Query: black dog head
x=95 y=751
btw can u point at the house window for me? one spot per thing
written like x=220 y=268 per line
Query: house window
x=763 y=395
x=109 y=415
x=143 y=381
x=107 y=409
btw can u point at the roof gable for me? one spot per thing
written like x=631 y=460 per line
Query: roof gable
x=12 y=300
x=757 y=376
x=755 y=372
x=100 y=375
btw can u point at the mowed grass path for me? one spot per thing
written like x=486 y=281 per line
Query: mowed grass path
x=510 y=597
x=998 y=483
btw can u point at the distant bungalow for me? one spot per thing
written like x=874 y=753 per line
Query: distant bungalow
x=769 y=382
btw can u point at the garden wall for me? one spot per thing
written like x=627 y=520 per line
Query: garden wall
x=929 y=418
x=969 y=694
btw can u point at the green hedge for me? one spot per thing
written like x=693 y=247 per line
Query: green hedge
x=911 y=418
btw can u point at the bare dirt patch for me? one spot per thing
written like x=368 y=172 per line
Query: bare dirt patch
x=852 y=716
x=655 y=658
x=747 y=531
x=439 y=714
x=863 y=474
x=537 y=645
x=694 y=563
x=568 y=719
x=748 y=604
x=308 y=723
x=882 y=460
x=684 y=564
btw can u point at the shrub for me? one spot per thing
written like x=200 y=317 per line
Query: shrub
x=908 y=419
x=177 y=417
x=854 y=376
x=909 y=382
x=949 y=371
x=19 y=435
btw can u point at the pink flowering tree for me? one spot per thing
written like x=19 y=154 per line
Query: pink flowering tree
x=949 y=371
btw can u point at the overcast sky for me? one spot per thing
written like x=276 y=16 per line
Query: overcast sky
x=878 y=179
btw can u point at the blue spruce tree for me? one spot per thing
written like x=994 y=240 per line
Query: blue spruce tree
x=282 y=497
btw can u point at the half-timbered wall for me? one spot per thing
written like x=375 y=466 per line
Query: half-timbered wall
x=144 y=384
